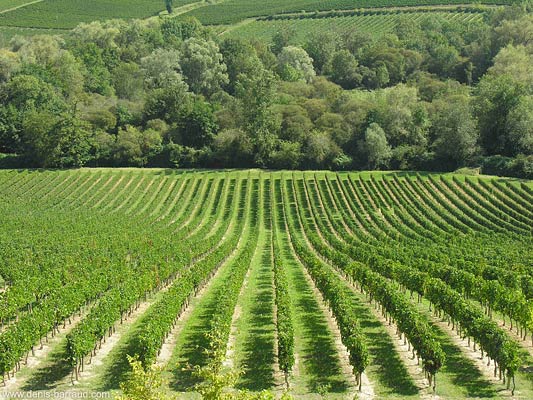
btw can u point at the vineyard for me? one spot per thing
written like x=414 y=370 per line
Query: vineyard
x=335 y=284
x=66 y=14
x=375 y=24
x=31 y=17
x=231 y=11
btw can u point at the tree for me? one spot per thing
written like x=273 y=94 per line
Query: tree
x=344 y=70
x=57 y=141
x=514 y=31
x=454 y=131
x=9 y=64
x=128 y=81
x=176 y=30
x=44 y=57
x=22 y=95
x=234 y=148
x=294 y=64
x=240 y=58
x=282 y=38
x=496 y=97
x=197 y=125
x=320 y=150
x=321 y=46
x=166 y=103
x=403 y=117
x=256 y=96
x=161 y=68
x=203 y=66
x=287 y=156
x=168 y=5
x=520 y=126
x=295 y=125
x=515 y=61
x=498 y=93
x=376 y=148
x=96 y=73
x=134 y=147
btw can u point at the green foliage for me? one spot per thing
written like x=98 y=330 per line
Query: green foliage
x=375 y=147
x=203 y=67
x=444 y=86
x=442 y=252
x=142 y=384
x=294 y=64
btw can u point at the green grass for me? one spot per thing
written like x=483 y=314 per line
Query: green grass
x=254 y=342
x=318 y=365
x=188 y=351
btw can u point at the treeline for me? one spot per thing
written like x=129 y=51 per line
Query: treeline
x=169 y=92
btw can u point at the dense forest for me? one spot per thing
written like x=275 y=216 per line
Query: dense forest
x=169 y=92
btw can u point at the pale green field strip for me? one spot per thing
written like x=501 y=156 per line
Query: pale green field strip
x=6 y=5
x=228 y=12
x=377 y=25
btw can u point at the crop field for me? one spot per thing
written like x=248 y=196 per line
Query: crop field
x=66 y=14
x=231 y=11
x=375 y=24
x=384 y=285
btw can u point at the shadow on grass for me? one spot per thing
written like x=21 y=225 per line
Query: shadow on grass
x=118 y=367
x=259 y=348
x=389 y=368
x=192 y=353
x=463 y=371
x=320 y=358
x=50 y=375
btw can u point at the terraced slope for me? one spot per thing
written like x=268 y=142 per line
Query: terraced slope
x=386 y=285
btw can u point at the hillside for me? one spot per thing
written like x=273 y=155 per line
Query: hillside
x=17 y=16
x=317 y=274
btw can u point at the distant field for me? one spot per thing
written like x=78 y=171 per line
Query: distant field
x=231 y=11
x=377 y=24
x=65 y=14
x=8 y=4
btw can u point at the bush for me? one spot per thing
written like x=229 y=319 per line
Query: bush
x=519 y=167
x=11 y=161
